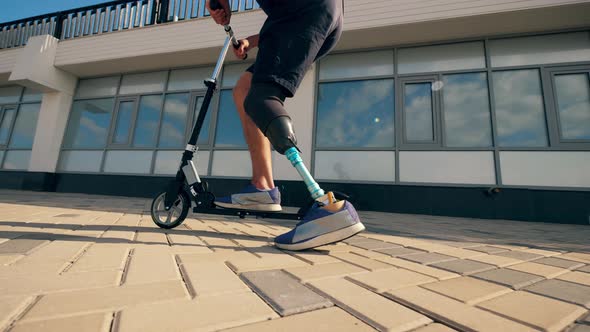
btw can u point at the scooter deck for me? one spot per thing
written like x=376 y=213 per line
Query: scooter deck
x=244 y=213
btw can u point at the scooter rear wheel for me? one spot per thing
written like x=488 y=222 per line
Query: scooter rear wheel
x=176 y=215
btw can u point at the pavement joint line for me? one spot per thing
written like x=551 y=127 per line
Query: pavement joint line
x=168 y=239
x=23 y=312
x=115 y=322
x=126 y=266
x=523 y=322
x=76 y=258
x=188 y=287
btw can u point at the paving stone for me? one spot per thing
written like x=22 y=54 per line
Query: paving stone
x=11 y=307
x=314 y=257
x=219 y=257
x=563 y=290
x=207 y=313
x=510 y=278
x=271 y=262
x=580 y=328
x=325 y=320
x=576 y=277
x=519 y=255
x=585 y=319
x=9 y=259
x=90 y=322
x=559 y=262
x=422 y=269
x=467 y=290
x=35 y=284
x=103 y=299
x=546 y=271
x=338 y=247
x=371 y=244
x=463 y=266
x=187 y=243
x=578 y=256
x=150 y=265
x=363 y=262
x=584 y=269
x=219 y=244
x=358 y=239
x=454 y=313
x=435 y=328
x=489 y=249
x=428 y=258
x=212 y=278
x=100 y=258
x=399 y=251
x=373 y=309
x=499 y=261
x=534 y=310
x=430 y=246
x=381 y=281
x=332 y=270
x=461 y=253
x=542 y=252
x=21 y=245
x=283 y=293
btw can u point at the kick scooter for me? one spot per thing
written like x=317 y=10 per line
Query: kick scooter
x=171 y=207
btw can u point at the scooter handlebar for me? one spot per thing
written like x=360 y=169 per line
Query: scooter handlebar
x=215 y=5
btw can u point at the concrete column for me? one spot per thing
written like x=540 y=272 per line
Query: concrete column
x=35 y=69
x=301 y=109
x=51 y=127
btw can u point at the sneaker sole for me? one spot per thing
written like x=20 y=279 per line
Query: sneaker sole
x=322 y=240
x=251 y=207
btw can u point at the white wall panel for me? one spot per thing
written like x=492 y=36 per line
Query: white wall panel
x=550 y=169
x=231 y=163
x=167 y=162
x=8 y=59
x=454 y=167
x=355 y=165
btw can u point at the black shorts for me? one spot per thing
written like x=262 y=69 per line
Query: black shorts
x=292 y=40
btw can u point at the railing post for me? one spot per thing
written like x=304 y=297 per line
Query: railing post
x=154 y=12
x=58 y=26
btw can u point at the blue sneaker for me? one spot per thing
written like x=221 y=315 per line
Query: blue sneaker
x=326 y=222
x=252 y=199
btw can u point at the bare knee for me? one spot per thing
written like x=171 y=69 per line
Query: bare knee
x=242 y=88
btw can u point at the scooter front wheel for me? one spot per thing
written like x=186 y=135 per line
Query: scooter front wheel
x=175 y=216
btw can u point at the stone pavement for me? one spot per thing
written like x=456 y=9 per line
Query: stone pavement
x=93 y=263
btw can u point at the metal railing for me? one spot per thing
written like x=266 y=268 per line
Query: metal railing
x=107 y=17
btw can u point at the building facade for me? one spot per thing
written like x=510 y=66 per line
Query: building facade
x=460 y=108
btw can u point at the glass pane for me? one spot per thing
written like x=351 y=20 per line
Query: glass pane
x=98 y=87
x=172 y=133
x=467 y=110
x=123 y=123
x=418 y=109
x=232 y=73
x=9 y=114
x=558 y=48
x=167 y=162
x=80 y=161
x=89 y=123
x=189 y=79
x=345 y=165
x=441 y=58
x=357 y=65
x=520 y=113
x=25 y=126
x=18 y=160
x=229 y=127
x=204 y=135
x=1 y=157
x=148 y=118
x=355 y=114
x=130 y=162
x=143 y=83
x=573 y=102
x=231 y=163
x=31 y=95
x=10 y=94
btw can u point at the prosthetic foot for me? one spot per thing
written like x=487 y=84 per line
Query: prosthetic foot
x=328 y=220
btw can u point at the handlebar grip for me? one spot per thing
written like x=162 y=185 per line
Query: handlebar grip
x=214 y=4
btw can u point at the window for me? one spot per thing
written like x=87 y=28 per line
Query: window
x=355 y=65
x=572 y=103
x=229 y=127
x=419 y=107
x=520 y=112
x=173 y=129
x=440 y=58
x=19 y=112
x=355 y=114
x=148 y=118
x=89 y=124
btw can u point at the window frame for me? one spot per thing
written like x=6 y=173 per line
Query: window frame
x=552 y=106
x=115 y=119
x=3 y=109
x=436 y=103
